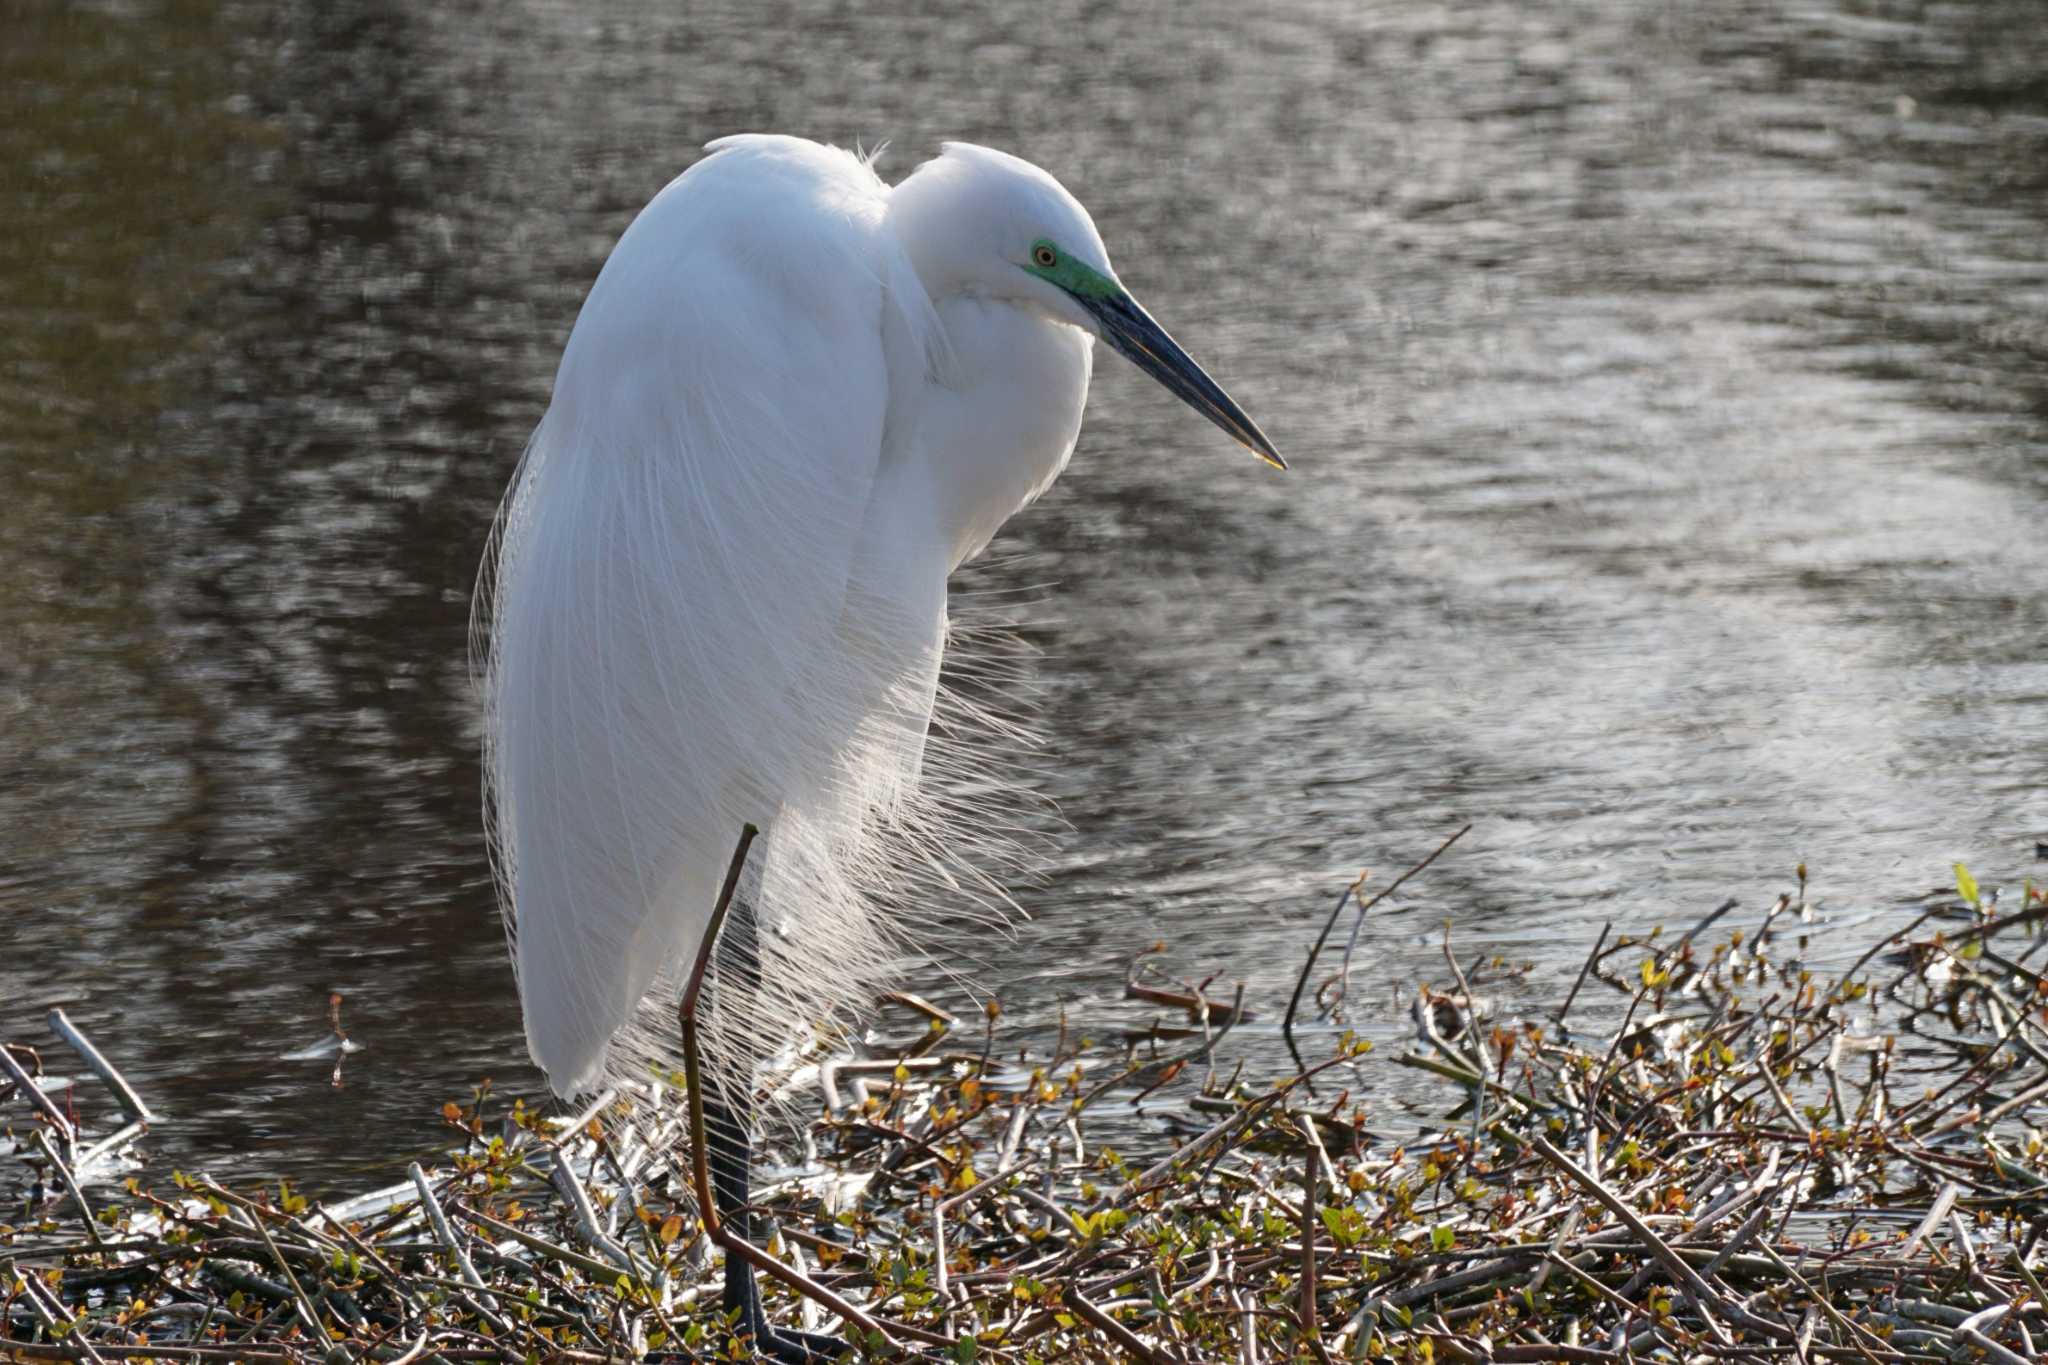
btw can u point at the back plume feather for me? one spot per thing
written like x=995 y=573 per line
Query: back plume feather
x=699 y=610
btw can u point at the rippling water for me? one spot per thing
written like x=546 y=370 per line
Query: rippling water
x=1667 y=386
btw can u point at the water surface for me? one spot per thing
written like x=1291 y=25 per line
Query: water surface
x=1667 y=389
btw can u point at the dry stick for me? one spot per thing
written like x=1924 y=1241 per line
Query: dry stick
x=2019 y=1263
x=1202 y=1281
x=1702 y=1292
x=1111 y=1328
x=607 y=1152
x=1460 y=1075
x=130 y=1102
x=1969 y=1073
x=48 y=1306
x=1587 y=1282
x=1490 y=1268
x=1689 y=935
x=1293 y=1004
x=41 y=1101
x=1307 y=1123
x=590 y=1266
x=1311 y=1316
x=1744 y=1235
x=1784 y=1101
x=1996 y=926
x=1887 y=941
x=113 y=1141
x=941 y=1207
x=1343 y=976
x=447 y=1238
x=302 y=1303
x=1142 y=1182
x=1968 y=1331
x=1535 y=1354
x=1478 y=1056
x=1584 y=967
x=1301 y=982
x=571 y=1189
x=70 y=1184
x=1857 y=1334
x=417 y=1349
x=1943 y=1202
x=1247 y=1330
x=700 y=1169
x=384 y=1268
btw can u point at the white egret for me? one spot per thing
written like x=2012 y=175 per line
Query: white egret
x=795 y=401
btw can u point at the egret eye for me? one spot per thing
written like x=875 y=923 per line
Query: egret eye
x=1044 y=256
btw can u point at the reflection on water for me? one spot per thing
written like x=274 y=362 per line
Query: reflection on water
x=1666 y=389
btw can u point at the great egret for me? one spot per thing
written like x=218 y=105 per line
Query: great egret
x=795 y=401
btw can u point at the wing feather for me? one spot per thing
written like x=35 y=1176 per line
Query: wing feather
x=668 y=588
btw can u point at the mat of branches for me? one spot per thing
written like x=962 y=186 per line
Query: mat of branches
x=1742 y=1160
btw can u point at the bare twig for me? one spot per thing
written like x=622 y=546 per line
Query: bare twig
x=1301 y=981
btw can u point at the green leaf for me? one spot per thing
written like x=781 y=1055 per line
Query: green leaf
x=1966 y=886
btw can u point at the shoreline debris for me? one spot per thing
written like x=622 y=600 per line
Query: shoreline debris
x=1758 y=1161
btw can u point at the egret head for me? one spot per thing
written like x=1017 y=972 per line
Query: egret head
x=976 y=220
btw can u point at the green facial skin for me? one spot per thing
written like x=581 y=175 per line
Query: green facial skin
x=1069 y=274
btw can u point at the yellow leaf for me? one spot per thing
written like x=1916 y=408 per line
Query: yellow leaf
x=1966 y=885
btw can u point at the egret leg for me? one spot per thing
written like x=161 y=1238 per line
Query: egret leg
x=729 y=1154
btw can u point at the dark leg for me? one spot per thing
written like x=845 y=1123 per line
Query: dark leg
x=729 y=1154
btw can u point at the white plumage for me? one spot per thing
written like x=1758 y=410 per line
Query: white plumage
x=794 y=402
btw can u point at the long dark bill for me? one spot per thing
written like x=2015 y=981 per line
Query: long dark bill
x=1143 y=342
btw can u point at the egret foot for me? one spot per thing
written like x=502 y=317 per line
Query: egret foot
x=730 y=1156
x=728 y=1151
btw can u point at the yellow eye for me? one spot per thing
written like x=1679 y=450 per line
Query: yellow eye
x=1044 y=256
